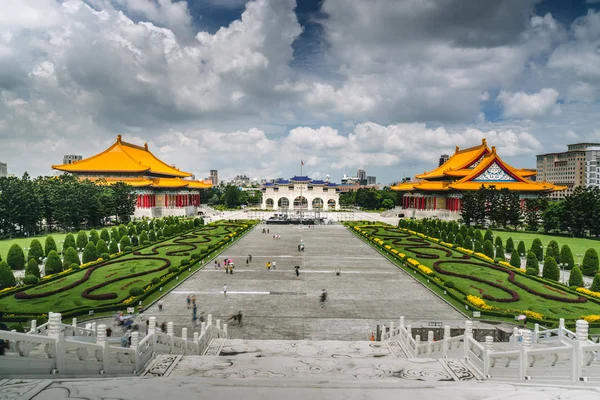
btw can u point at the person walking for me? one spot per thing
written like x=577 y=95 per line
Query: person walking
x=188 y=301
x=297 y=268
x=160 y=305
x=323 y=297
x=194 y=314
x=372 y=336
x=274 y=265
x=225 y=290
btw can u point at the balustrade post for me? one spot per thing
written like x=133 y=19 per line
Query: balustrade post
x=489 y=347
x=401 y=322
x=536 y=332
x=417 y=343
x=225 y=331
x=74 y=324
x=209 y=319
x=54 y=331
x=203 y=328
x=101 y=340
x=171 y=333
x=33 y=327
x=152 y=330
x=218 y=327
x=561 y=327
x=184 y=336
x=467 y=335
x=383 y=333
x=93 y=329
x=446 y=340
x=581 y=337
x=429 y=342
x=196 y=336
x=524 y=358
x=391 y=329
x=515 y=335
x=135 y=339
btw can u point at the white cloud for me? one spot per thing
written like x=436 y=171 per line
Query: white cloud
x=523 y=105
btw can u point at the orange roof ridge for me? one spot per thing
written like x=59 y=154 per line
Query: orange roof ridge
x=479 y=146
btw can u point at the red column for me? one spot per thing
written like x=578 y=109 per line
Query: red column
x=435 y=203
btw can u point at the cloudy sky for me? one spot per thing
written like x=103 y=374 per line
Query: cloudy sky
x=253 y=87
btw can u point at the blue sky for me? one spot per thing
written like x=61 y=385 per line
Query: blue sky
x=254 y=87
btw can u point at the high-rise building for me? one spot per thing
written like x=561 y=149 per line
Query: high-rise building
x=3 y=169
x=214 y=177
x=371 y=180
x=361 y=174
x=592 y=166
x=71 y=158
x=443 y=159
x=569 y=168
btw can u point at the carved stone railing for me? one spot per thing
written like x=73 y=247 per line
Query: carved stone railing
x=72 y=351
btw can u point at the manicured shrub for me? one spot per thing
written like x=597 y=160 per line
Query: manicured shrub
x=105 y=256
x=510 y=245
x=183 y=262
x=589 y=266
x=114 y=234
x=143 y=237
x=33 y=268
x=73 y=266
x=459 y=240
x=30 y=279
x=449 y=284
x=7 y=279
x=451 y=238
x=94 y=237
x=53 y=263
x=515 y=259
x=69 y=242
x=537 y=249
x=124 y=242
x=195 y=256
x=15 y=257
x=127 y=249
x=166 y=231
x=489 y=235
x=135 y=241
x=532 y=265
x=463 y=230
x=101 y=247
x=521 y=249
x=553 y=251
x=131 y=229
x=478 y=235
x=566 y=257
x=152 y=236
x=173 y=269
x=500 y=253
x=471 y=232
x=160 y=234
x=443 y=236
x=576 y=277
x=113 y=247
x=596 y=283
x=71 y=257
x=104 y=235
x=89 y=254
x=478 y=248
x=136 y=291
x=155 y=280
x=488 y=249
x=498 y=241
x=122 y=230
x=550 y=270
x=49 y=245
x=468 y=243
x=36 y=250
x=82 y=240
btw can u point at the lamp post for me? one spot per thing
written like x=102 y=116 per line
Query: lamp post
x=80 y=252
x=562 y=267
x=579 y=260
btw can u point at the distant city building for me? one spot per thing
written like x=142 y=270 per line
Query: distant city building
x=350 y=180
x=569 y=168
x=371 y=180
x=361 y=174
x=3 y=170
x=71 y=158
x=443 y=159
x=214 y=177
x=241 y=180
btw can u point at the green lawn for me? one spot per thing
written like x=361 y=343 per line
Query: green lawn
x=148 y=262
x=577 y=245
x=24 y=242
x=478 y=277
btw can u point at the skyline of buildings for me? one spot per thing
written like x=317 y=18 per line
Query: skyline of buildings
x=3 y=169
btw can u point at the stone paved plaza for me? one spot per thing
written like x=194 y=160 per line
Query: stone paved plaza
x=277 y=305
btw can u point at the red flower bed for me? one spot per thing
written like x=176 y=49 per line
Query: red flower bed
x=125 y=286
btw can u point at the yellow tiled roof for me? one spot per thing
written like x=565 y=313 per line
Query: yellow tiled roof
x=404 y=187
x=123 y=157
x=139 y=181
x=460 y=160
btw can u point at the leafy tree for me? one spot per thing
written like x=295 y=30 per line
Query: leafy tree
x=152 y=236
x=478 y=247
x=53 y=264
x=511 y=205
x=32 y=268
x=36 y=250
x=521 y=248
x=500 y=253
x=124 y=201
x=488 y=249
x=532 y=265
x=589 y=266
x=113 y=247
x=7 y=279
x=489 y=235
x=15 y=257
x=566 y=257
x=552 y=216
x=69 y=242
x=596 y=284
x=49 y=245
x=124 y=242
x=533 y=210
x=515 y=259
x=82 y=240
x=89 y=253
x=551 y=270
x=94 y=237
x=498 y=241
x=510 y=245
x=101 y=247
x=537 y=249
x=104 y=235
x=70 y=257
x=576 y=278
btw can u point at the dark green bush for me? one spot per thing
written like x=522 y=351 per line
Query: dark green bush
x=566 y=257
x=596 y=284
x=30 y=279
x=183 y=262
x=127 y=249
x=521 y=249
x=488 y=249
x=32 y=268
x=449 y=284
x=89 y=254
x=53 y=263
x=16 y=257
x=173 y=269
x=576 y=277
x=136 y=291
x=155 y=280
x=515 y=259
x=105 y=256
x=537 y=249
x=532 y=266
x=36 y=251
x=550 y=270
x=195 y=256
x=510 y=245
x=7 y=279
x=589 y=266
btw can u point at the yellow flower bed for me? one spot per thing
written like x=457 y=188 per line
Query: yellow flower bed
x=588 y=292
x=7 y=289
x=129 y=300
x=592 y=318
x=387 y=246
x=476 y=301
x=533 y=314
x=484 y=257
x=463 y=250
x=434 y=239
x=412 y=262
x=425 y=270
x=394 y=251
x=446 y=244
x=357 y=228
x=401 y=255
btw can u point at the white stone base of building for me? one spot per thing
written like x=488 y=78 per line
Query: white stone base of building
x=159 y=212
x=439 y=214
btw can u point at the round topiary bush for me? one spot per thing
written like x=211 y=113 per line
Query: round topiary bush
x=183 y=262
x=449 y=284
x=105 y=256
x=589 y=266
x=16 y=257
x=566 y=257
x=173 y=269
x=74 y=266
x=136 y=291
x=155 y=280
x=30 y=280
x=195 y=256
x=7 y=279
x=532 y=266
x=576 y=278
x=551 y=270
x=128 y=249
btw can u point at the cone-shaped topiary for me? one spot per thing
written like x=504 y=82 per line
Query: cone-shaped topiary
x=576 y=277
x=94 y=237
x=124 y=242
x=82 y=240
x=113 y=247
x=510 y=245
x=131 y=229
x=590 y=263
x=443 y=236
x=152 y=236
x=53 y=263
x=7 y=279
x=500 y=253
x=33 y=268
x=70 y=257
x=143 y=237
x=521 y=249
x=550 y=270
x=458 y=240
x=596 y=284
x=104 y=235
x=468 y=243
x=515 y=259
x=451 y=238
x=122 y=230
x=566 y=257
x=89 y=254
x=532 y=265
x=478 y=247
x=69 y=242
x=114 y=234
x=478 y=235
x=498 y=241
x=537 y=249
x=15 y=257
x=488 y=249
x=553 y=251
x=101 y=247
x=30 y=279
x=489 y=235
x=49 y=245
x=135 y=241
x=35 y=250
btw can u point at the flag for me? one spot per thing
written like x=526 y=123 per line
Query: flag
x=302 y=163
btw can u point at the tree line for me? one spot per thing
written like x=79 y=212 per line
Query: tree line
x=31 y=206
x=371 y=199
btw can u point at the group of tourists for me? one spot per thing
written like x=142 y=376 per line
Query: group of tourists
x=271 y=264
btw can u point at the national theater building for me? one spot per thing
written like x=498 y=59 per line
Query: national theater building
x=161 y=189
x=300 y=192
x=467 y=170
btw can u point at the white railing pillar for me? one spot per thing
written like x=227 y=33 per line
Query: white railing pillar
x=417 y=343
x=536 y=332
x=401 y=322
x=467 y=335
x=135 y=339
x=225 y=330
x=171 y=333
x=515 y=335
x=101 y=340
x=489 y=347
x=392 y=329
x=218 y=327
x=446 y=340
x=33 y=327
x=74 y=324
x=152 y=330
x=524 y=357
x=195 y=337
x=581 y=337
x=209 y=319
x=184 y=334
x=54 y=325
x=429 y=342
x=561 y=329
x=203 y=328
x=93 y=327
x=383 y=333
